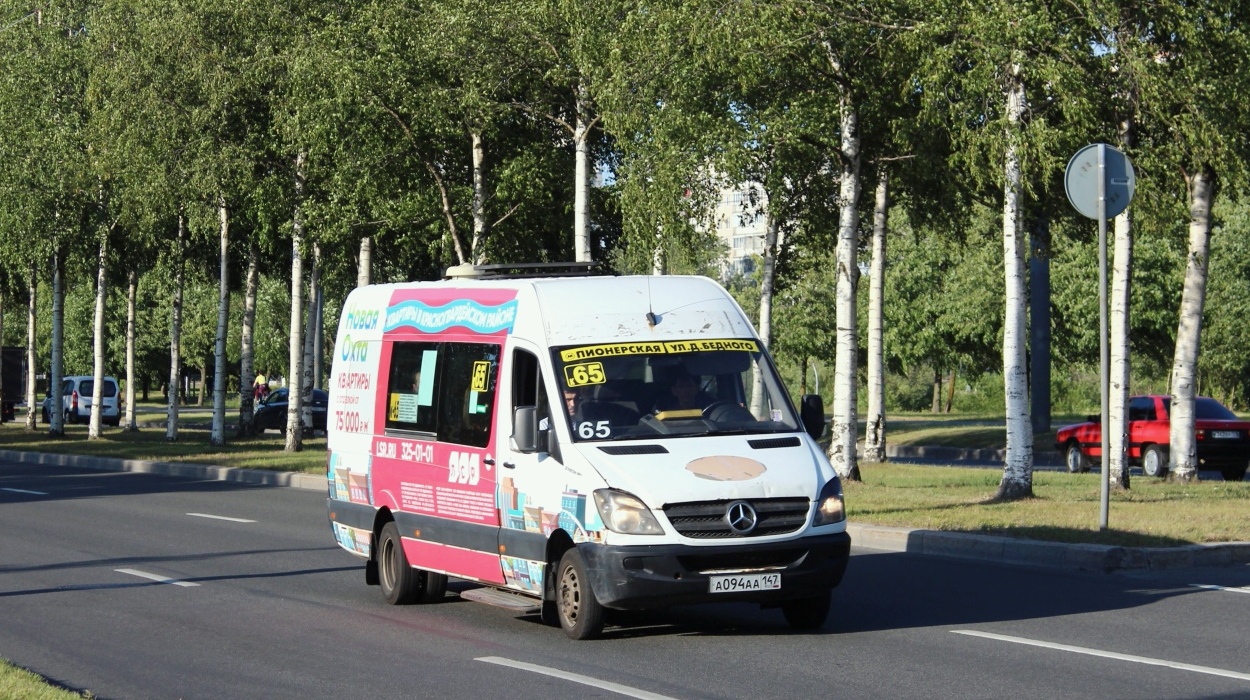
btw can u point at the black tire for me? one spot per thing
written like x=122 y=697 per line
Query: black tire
x=69 y=417
x=43 y=412
x=579 y=611
x=1154 y=461
x=1075 y=459
x=1235 y=473
x=401 y=584
x=807 y=613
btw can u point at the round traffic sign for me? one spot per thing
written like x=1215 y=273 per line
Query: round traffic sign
x=1081 y=180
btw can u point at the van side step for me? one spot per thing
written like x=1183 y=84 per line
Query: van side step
x=524 y=604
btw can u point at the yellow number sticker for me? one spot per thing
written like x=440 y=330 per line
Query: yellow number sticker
x=585 y=374
x=481 y=376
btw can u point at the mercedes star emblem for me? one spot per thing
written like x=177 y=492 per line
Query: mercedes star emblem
x=740 y=517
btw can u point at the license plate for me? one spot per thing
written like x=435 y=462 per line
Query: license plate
x=1226 y=434
x=745 y=582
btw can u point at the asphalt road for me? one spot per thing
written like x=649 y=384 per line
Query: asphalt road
x=264 y=605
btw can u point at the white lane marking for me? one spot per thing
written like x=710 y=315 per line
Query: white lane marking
x=155 y=577
x=1109 y=654
x=1213 y=587
x=220 y=517
x=33 y=493
x=576 y=678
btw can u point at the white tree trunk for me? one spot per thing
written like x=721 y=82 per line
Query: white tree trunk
x=132 y=293
x=58 y=345
x=319 y=338
x=218 y=434
x=1017 y=481
x=874 y=433
x=767 y=281
x=295 y=369
x=175 y=334
x=32 y=393
x=1121 y=377
x=310 y=336
x=478 y=251
x=581 y=174
x=364 y=265
x=844 y=428
x=247 y=350
x=97 y=392
x=1183 y=455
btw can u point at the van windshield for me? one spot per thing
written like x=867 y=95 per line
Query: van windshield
x=640 y=391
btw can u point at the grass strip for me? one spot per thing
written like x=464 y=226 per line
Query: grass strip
x=20 y=684
x=1064 y=508
x=265 y=451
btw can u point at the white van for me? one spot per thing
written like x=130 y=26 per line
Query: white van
x=538 y=434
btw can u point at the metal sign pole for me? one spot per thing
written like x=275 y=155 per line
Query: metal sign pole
x=1103 y=343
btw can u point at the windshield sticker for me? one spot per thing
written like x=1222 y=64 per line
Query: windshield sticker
x=592 y=351
x=709 y=345
x=463 y=312
x=585 y=374
x=481 y=374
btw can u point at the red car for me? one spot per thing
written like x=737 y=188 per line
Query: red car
x=1223 y=438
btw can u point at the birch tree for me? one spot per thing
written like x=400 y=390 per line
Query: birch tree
x=874 y=432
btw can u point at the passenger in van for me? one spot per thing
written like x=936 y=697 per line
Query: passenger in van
x=685 y=394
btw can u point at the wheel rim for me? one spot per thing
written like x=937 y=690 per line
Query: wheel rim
x=1150 y=464
x=570 y=596
x=388 y=564
x=1074 y=460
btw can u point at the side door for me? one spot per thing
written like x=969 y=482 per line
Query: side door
x=434 y=465
x=535 y=496
x=1141 y=412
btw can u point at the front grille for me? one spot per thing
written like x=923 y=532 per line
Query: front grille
x=740 y=561
x=706 y=519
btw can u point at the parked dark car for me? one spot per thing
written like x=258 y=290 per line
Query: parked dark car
x=271 y=411
x=1223 y=439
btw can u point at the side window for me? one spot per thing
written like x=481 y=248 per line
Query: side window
x=410 y=393
x=466 y=389
x=1141 y=409
x=528 y=388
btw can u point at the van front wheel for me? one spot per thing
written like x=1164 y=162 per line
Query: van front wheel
x=807 y=613
x=580 y=613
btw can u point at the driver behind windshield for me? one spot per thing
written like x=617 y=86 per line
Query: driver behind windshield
x=684 y=394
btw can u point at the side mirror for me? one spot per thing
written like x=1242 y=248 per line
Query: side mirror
x=812 y=413
x=525 y=428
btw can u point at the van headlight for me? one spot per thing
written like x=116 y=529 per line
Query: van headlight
x=830 y=508
x=625 y=513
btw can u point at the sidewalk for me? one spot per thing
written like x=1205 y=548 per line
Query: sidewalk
x=1005 y=550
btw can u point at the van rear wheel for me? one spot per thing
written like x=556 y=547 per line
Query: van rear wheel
x=807 y=613
x=580 y=613
x=401 y=584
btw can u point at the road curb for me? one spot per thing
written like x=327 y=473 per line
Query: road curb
x=206 y=472
x=958 y=545
x=1041 y=458
x=1081 y=557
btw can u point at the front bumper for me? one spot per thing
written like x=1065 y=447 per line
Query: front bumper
x=636 y=577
